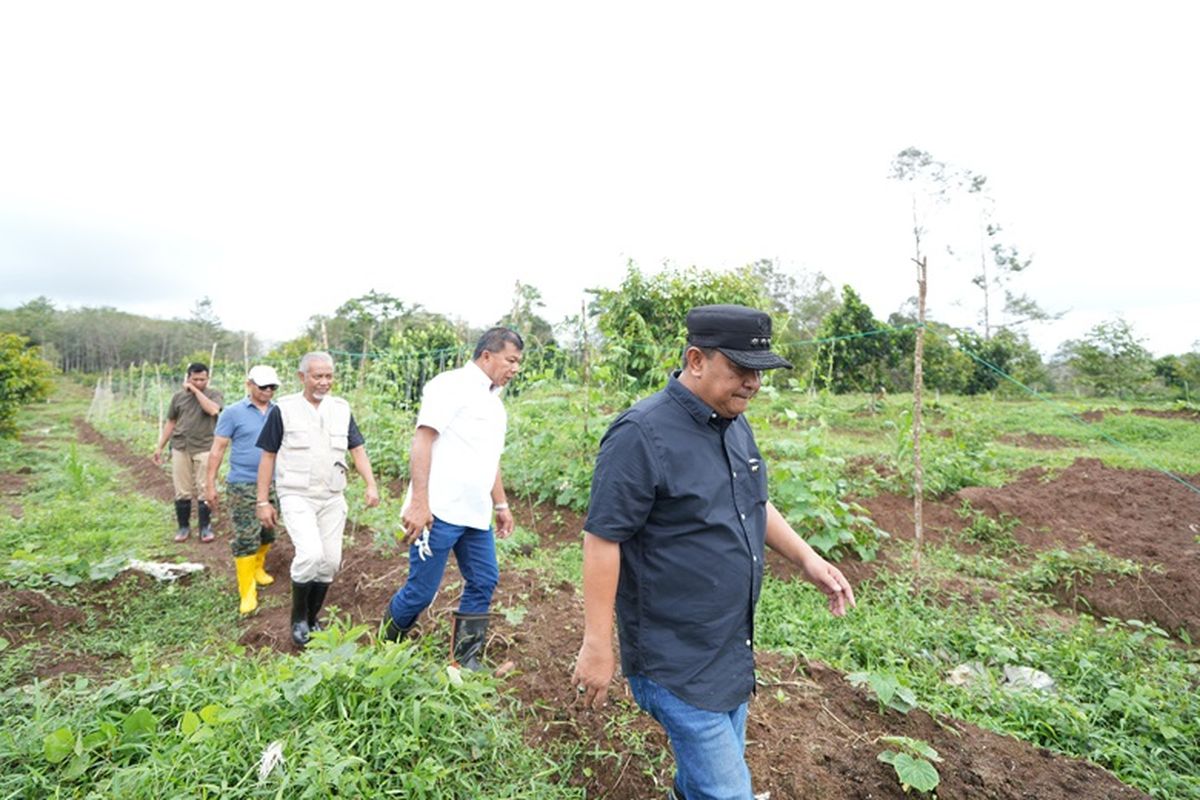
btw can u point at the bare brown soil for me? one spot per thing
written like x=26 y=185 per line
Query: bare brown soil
x=1034 y=441
x=810 y=734
x=1097 y=415
x=1141 y=515
x=12 y=486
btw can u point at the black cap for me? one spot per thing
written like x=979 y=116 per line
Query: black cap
x=742 y=334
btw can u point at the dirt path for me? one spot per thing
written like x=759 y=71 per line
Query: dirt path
x=810 y=734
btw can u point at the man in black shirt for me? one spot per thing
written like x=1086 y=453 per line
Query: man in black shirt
x=675 y=535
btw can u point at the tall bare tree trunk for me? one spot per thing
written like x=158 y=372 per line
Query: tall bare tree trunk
x=158 y=391
x=918 y=385
x=983 y=277
x=587 y=392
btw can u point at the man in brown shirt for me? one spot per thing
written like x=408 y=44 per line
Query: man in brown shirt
x=191 y=419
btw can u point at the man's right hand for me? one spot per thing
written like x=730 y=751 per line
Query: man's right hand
x=266 y=515
x=417 y=518
x=157 y=457
x=594 y=667
x=210 y=497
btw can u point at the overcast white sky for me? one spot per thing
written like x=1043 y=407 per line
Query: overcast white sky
x=283 y=157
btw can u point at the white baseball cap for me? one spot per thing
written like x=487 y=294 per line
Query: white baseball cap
x=263 y=375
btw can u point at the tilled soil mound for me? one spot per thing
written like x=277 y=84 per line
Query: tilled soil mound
x=1142 y=515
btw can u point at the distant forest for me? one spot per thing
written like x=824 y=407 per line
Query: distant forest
x=98 y=339
x=630 y=336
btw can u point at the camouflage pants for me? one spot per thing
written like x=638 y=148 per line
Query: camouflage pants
x=248 y=532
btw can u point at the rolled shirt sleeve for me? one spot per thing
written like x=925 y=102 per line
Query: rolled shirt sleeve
x=439 y=403
x=624 y=483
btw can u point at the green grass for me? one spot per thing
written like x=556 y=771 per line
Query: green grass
x=350 y=719
x=1126 y=695
x=1125 y=698
x=523 y=551
x=78 y=522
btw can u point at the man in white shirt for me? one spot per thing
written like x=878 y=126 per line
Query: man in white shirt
x=455 y=487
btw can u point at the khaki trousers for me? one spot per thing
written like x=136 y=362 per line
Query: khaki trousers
x=315 y=526
x=188 y=473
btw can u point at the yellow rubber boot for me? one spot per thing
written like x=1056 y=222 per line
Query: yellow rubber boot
x=260 y=575
x=246 y=586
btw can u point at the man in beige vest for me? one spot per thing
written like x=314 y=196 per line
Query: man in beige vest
x=305 y=441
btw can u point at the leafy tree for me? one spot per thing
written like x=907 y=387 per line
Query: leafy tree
x=291 y=351
x=95 y=339
x=1180 y=372
x=999 y=263
x=947 y=368
x=858 y=356
x=1109 y=360
x=361 y=322
x=642 y=323
x=206 y=322
x=24 y=378
x=1009 y=353
x=803 y=301
x=524 y=319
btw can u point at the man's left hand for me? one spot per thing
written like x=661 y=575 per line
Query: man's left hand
x=504 y=523
x=372 y=497
x=830 y=580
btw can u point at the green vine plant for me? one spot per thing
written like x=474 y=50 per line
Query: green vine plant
x=888 y=690
x=913 y=761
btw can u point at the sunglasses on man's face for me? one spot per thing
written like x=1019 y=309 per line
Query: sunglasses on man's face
x=270 y=387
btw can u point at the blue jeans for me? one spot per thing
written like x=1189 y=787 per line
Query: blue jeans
x=709 y=746
x=475 y=552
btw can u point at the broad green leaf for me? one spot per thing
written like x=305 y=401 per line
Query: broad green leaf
x=77 y=767
x=189 y=723
x=916 y=773
x=917 y=746
x=211 y=713
x=140 y=721
x=59 y=745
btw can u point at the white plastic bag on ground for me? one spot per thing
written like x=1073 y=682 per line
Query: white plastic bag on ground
x=163 y=571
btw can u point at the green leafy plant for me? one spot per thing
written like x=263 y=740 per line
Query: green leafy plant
x=887 y=688
x=995 y=534
x=1069 y=569
x=809 y=490
x=912 y=762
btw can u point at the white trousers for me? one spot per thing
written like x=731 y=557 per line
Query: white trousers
x=315 y=527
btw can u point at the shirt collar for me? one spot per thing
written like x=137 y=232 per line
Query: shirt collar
x=697 y=408
x=246 y=402
x=479 y=376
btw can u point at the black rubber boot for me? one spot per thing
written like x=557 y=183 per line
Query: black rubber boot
x=316 y=599
x=300 y=613
x=470 y=634
x=391 y=631
x=205 y=516
x=183 y=513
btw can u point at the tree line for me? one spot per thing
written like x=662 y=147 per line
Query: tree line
x=97 y=339
x=632 y=335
